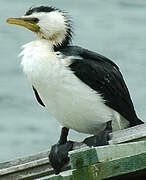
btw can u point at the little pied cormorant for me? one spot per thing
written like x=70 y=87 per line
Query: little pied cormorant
x=83 y=90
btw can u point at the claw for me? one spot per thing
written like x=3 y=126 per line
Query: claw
x=59 y=155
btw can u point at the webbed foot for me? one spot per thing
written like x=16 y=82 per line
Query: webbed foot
x=59 y=155
x=100 y=139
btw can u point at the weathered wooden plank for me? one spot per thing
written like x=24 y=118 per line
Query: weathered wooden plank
x=122 y=166
x=84 y=173
x=107 y=169
x=42 y=156
x=29 y=173
x=135 y=133
x=83 y=157
x=38 y=165
x=120 y=150
x=87 y=156
x=66 y=175
x=112 y=168
x=23 y=160
x=26 y=168
x=30 y=167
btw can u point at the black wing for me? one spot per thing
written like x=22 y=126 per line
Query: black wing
x=38 y=97
x=102 y=75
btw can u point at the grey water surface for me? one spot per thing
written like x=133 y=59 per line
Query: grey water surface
x=114 y=28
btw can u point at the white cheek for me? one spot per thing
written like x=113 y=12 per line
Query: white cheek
x=52 y=23
x=52 y=26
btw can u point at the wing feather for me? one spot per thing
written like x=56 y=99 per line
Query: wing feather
x=103 y=76
x=38 y=97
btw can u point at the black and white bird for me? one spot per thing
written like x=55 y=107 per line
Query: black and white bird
x=83 y=90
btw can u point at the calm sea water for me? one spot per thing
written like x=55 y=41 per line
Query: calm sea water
x=114 y=28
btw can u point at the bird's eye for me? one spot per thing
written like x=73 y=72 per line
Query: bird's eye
x=32 y=20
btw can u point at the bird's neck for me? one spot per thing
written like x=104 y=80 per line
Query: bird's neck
x=43 y=43
x=37 y=56
x=55 y=42
x=40 y=46
x=38 y=49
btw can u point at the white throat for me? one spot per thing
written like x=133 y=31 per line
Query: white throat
x=35 y=55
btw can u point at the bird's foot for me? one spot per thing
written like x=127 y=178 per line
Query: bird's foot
x=59 y=155
x=98 y=140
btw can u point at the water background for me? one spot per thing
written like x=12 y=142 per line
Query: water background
x=114 y=28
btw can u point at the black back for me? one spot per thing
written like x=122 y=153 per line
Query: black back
x=103 y=76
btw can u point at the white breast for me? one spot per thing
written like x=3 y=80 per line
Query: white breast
x=68 y=99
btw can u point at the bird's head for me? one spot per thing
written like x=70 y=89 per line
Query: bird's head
x=47 y=23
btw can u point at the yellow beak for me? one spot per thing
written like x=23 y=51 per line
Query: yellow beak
x=22 y=22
